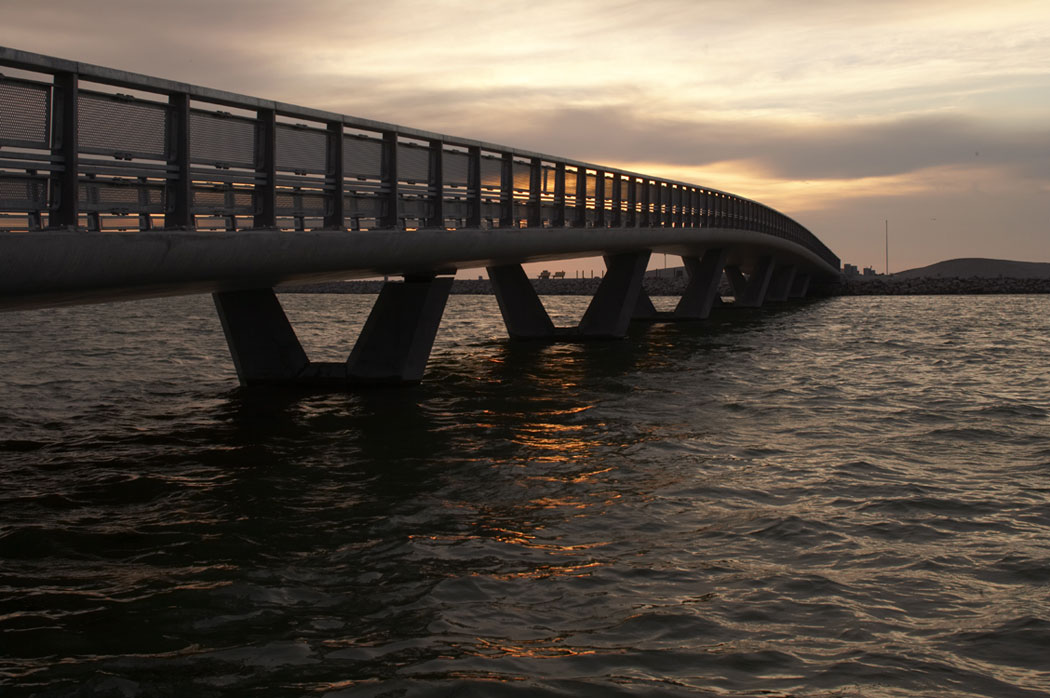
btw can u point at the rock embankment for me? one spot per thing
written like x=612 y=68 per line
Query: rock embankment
x=891 y=286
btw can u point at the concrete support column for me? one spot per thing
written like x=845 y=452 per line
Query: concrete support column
x=609 y=314
x=261 y=340
x=644 y=308
x=396 y=340
x=705 y=274
x=800 y=286
x=780 y=283
x=751 y=292
x=523 y=312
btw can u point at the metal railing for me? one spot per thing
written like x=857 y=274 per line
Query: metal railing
x=75 y=152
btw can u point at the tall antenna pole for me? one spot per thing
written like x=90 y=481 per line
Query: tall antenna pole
x=887 y=247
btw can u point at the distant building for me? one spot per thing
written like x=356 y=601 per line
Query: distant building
x=850 y=270
x=869 y=271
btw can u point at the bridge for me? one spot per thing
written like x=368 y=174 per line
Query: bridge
x=115 y=185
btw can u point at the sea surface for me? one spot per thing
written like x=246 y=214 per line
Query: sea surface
x=844 y=497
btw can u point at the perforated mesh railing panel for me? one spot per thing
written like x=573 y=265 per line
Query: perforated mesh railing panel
x=111 y=125
x=547 y=180
x=25 y=112
x=222 y=140
x=413 y=162
x=223 y=200
x=121 y=196
x=300 y=203
x=522 y=174
x=570 y=185
x=491 y=172
x=301 y=149
x=362 y=206
x=454 y=168
x=362 y=157
x=23 y=193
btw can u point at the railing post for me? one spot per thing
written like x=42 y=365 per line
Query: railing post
x=266 y=170
x=643 y=215
x=474 y=187
x=632 y=203
x=506 y=191
x=658 y=205
x=580 y=218
x=535 y=215
x=558 y=220
x=335 y=212
x=617 y=201
x=65 y=210
x=391 y=195
x=178 y=208
x=599 y=198
x=675 y=190
x=436 y=187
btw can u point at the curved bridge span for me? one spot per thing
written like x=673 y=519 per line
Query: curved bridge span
x=115 y=185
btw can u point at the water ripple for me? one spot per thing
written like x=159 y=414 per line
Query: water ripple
x=838 y=498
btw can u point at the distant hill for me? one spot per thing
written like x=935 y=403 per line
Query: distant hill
x=978 y=268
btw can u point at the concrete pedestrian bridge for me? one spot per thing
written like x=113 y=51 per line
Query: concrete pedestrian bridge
x=115 y=186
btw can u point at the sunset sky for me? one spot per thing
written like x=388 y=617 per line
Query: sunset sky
x=932 y=115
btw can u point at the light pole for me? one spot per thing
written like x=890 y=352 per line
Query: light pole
x=887 y=247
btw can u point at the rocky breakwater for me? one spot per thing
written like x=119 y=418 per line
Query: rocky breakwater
x=931 y=286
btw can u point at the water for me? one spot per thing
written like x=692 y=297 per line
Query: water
x=843 y=498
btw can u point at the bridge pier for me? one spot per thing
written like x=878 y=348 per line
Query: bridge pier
x=393 y=346
x=521 y=307
x=800 y=286
x=705 y=275
x=750 y=292
x=262 y=342
x=396 y=340
x=615 y=302
x=780 y=283
x=700 y=295
x=608 y=316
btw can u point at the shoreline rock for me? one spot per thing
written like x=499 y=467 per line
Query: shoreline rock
x=939 y=286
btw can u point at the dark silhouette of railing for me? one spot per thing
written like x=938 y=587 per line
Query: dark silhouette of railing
x=77 y=153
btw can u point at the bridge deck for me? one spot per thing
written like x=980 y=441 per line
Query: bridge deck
x=171 y=184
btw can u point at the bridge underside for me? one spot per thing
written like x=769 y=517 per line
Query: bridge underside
x=43 y=269
x=240 y=270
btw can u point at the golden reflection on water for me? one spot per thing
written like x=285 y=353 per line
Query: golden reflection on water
x=537 y=649
x=548 y=439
